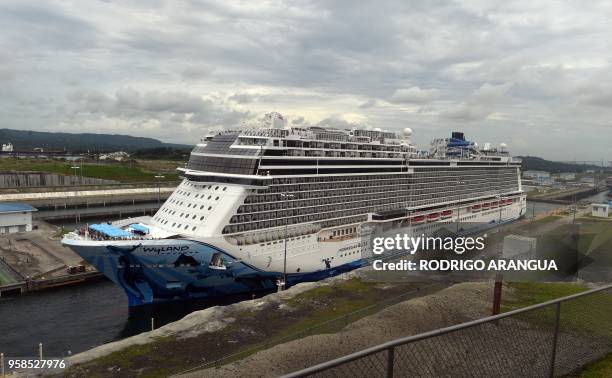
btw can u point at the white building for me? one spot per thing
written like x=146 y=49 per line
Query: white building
x=15 y=217
x=7 y=147
x=600 y=210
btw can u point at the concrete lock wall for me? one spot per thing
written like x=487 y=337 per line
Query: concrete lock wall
x=25 y=179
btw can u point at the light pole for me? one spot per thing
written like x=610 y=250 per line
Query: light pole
x=285 y=195
x=76 y=210
x=458 y=207
x=159 y=177
x=500 y=212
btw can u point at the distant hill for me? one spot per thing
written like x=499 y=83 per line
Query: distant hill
x=24 y=140
x=532 y=163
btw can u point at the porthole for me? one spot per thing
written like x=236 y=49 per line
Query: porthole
x=209 y=207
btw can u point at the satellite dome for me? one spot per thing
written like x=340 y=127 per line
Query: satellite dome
x=377 y=129
x=503 y=145
x=407 y=131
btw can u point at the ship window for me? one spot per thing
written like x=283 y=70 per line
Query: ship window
x=209 y=197
x=209 y=207
x=216 y=187
x=201 y=207
x=224 y=188
x=202 y=217
x=186 y=226
x=173 y=224
x=194 y=228
x=216 y=199
x=194 y=216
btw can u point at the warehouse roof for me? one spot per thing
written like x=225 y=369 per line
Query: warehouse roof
x=14 y=207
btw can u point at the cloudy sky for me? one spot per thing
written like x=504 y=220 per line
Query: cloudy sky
x=533 y=74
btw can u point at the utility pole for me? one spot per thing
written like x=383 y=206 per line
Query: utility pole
x=285 y=195
x=574 y=219
x=76 y=205
x=159 y=177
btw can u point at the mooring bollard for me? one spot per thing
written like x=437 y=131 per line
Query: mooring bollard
x=40 y=353
x=2 y=364
x=152 y=324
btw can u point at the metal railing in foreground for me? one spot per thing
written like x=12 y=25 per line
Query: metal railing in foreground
x=547 y=339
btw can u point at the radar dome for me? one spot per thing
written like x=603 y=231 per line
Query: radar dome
x=407 y=131
x=503 y=145
x=377 y=129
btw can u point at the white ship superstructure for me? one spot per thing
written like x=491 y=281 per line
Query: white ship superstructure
x=257 y=204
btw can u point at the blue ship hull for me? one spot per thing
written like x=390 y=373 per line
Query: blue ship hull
x=151 y=273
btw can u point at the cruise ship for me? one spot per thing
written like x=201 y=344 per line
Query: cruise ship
x=269 y=207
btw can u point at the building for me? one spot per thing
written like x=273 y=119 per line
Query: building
x=519 y=247
x=538 y=177
x=7 y=147
x=600 y=210
x=15 y=217
x=567 y=176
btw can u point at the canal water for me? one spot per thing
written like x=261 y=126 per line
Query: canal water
x=537 y=208
x=74 y=319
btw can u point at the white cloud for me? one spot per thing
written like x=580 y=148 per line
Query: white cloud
x=172 y=69
x=414 y=95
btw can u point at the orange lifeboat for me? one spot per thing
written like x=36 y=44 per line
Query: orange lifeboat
x=418 y=219
x=433 y=217
x=475 y=208
x=446 y=214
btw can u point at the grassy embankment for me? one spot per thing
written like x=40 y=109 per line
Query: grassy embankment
x=140 y=171
x=588 y=315
x=252 y=331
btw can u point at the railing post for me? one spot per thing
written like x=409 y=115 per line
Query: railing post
x=390 y=361
x=555 y=337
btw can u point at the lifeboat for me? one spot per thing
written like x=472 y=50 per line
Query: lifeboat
x=475 y=208
x=433 y=216
x=418 y=219
x=446 y=214
x=485 y=206
x=508 y=201
x=494 y=204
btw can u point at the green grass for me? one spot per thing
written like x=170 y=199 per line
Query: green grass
x=599 y=369
x=124 y=359
x=116 y=171
x=530 y=293
x=589 y=315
